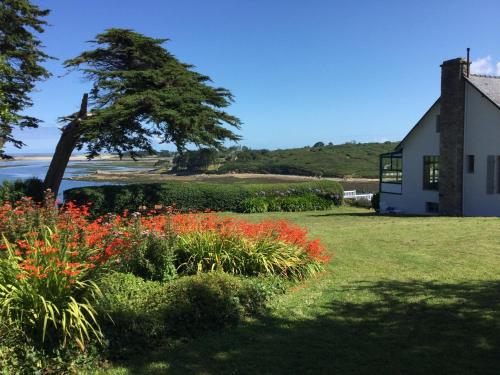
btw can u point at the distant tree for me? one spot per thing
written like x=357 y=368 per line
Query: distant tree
x=140 y=92
x=202 y=159
x=21 y=56
x=319 y=144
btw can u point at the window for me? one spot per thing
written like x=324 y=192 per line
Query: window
x=431 y=207
x=438 y=124
x=498 y=174
x=490 y=174
x=431 y=172
x=391 y=168
x=470 y=163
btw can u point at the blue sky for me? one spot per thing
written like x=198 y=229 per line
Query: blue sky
x=301 y=71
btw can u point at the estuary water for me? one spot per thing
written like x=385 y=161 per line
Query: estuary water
x=27 y=168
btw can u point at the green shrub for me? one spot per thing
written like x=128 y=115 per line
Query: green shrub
x=256 y=292
x=127 y=321
x=152 y=257
x=254 y=205
x=14 y=190
x=307 y=202
x=193 y=304
x=210 y=301
x=141 y=313
x=197 y=196
x=21 y=356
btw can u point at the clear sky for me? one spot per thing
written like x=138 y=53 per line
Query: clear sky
x=301 y=71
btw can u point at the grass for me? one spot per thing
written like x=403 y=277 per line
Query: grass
x=403 y=295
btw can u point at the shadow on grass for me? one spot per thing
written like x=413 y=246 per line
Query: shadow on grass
x=372 y=213
x=393 y=328
x=354 y=214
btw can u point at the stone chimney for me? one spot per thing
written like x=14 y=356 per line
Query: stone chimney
x=451 y=161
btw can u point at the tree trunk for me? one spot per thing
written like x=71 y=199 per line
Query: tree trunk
x=64 y=149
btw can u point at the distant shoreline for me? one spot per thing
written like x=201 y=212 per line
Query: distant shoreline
x=49 y=157
x=104 y=176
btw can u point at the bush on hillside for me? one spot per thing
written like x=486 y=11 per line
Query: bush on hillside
x=349 y=159
x=195 y=196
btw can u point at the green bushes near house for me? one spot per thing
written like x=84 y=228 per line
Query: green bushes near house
x=185 y=196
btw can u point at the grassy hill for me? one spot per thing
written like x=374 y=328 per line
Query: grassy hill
x=349 y=159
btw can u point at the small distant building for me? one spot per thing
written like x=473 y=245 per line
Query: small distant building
x=449 y=163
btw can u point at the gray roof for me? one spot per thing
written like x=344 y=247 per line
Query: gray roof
x=488 y=85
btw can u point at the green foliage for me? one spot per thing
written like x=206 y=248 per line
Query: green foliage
x=202 y=196
x=141 y=91
x=345 y=160
x=307 y=202
x=194 y=304
x=196 y=161
x=128 y=322
x=20 y=64
x=211 y=301
x=51 y=309
x=152 y=258
x=256 y=292
x=142 y=313
x=21 y=356
x=13 y=191
x=255 y=205
x=209 y=251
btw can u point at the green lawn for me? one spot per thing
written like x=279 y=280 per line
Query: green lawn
x=403 y=295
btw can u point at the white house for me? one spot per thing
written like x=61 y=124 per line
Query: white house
x=449 y=163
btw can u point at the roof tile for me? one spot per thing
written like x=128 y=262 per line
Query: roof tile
x=488 y=85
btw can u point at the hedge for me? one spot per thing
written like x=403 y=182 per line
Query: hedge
x=189 y=196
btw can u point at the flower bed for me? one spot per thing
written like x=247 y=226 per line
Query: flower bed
x=53 y=262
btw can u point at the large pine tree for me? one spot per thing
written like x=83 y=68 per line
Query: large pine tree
x=21 y=56
x=140 y=93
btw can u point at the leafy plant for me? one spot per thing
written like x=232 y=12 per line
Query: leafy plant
x=128 y=321
x=254 y=205
x=210 y=243
x=152 y=256
x=12 y=191
x=193 y=304
x=48 y=294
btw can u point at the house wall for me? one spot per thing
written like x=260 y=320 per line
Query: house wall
x=423 y=140
x=482 y=138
